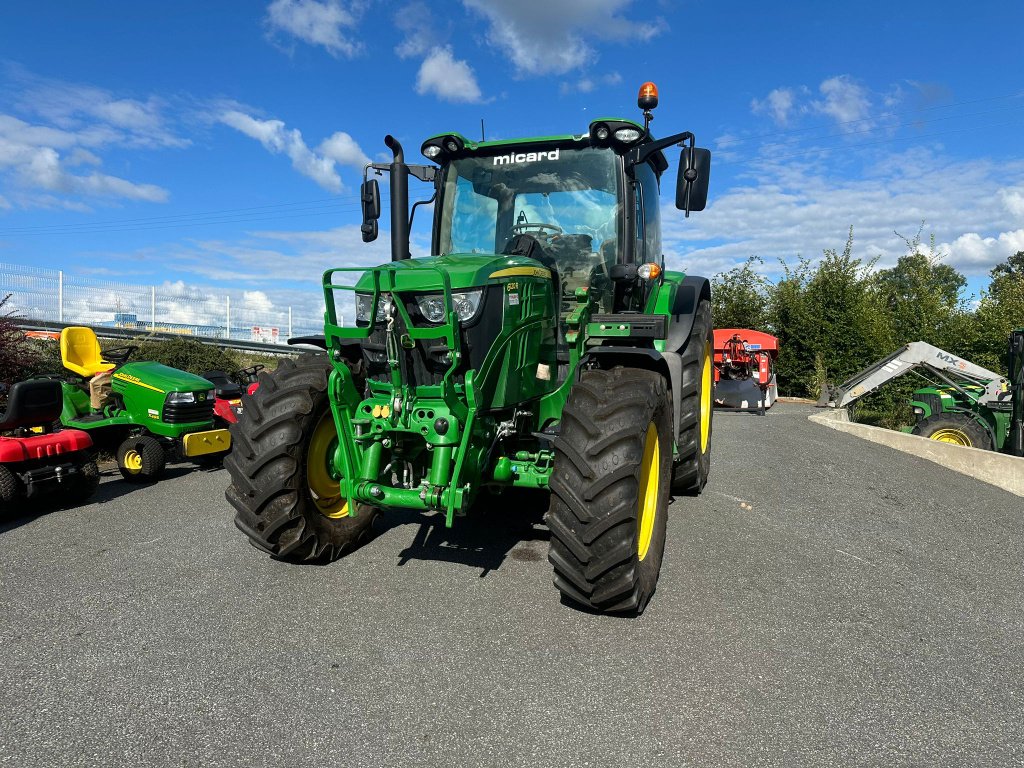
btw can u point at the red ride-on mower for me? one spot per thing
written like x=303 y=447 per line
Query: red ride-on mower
x=33 y=464
x=228 y=391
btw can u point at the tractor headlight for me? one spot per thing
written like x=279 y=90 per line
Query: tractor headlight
x=432 y=308
x=364 y=302
x=465 y=303
x=180 y=397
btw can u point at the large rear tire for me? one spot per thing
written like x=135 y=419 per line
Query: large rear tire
x=954 y=428
x=610 y=489
x=287 y=500
x=691 y=470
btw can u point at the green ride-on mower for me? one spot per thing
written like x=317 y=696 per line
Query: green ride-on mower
x=541 y=346
x=157 y=412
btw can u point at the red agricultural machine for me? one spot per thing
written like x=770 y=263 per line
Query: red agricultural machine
x=745 y=370
x=228 y=391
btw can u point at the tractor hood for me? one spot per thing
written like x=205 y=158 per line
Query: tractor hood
x=464 y=270
x=158 y=378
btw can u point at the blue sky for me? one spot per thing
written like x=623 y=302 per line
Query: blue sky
x=220 y=144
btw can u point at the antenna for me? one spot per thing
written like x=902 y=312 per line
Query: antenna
x=483 y=137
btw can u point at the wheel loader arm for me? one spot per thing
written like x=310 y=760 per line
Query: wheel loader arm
x=913 y=355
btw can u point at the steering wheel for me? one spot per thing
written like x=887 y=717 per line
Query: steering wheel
x=528 y=225
x=251 y=372
x=119 y=355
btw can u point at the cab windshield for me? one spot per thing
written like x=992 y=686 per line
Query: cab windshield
x=560 y=206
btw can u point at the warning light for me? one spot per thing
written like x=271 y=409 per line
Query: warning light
x=648 y=97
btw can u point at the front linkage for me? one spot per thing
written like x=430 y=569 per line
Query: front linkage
x=444 y=419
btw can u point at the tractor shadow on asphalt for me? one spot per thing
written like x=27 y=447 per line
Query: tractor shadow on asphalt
x=496 y=527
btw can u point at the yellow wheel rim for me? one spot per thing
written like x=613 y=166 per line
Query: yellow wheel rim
x=705 y=399
x=954 y=436
x=133 y=461
x=323 y=485
x=650 y=478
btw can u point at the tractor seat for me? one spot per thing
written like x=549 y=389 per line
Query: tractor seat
x=224 y=386
x=33 y=403
x=80 y=352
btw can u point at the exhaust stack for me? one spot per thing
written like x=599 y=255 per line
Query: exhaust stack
x=399 y=172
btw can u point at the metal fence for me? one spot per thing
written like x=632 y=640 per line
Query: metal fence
x=54 y=296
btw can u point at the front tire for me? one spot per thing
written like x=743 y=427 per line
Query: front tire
x=287 y=500
x=610 y=489
x=956 y=429
x=141 y=459
x=691 y=470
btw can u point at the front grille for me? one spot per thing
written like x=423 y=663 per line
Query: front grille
x=186 y=413
x=425 y=363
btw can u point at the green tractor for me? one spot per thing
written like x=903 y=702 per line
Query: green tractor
x=157 y=412
x=962 y=413
x=542 y=346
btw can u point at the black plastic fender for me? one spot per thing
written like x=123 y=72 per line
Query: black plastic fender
x=668 y=363
x=684 y=310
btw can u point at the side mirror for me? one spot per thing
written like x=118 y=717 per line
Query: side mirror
x=369 y=196
x=692 y=181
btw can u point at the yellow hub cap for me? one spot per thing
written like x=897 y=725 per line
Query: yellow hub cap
x=133 y=461
x=954 y=436
x=650 y=477
x=325 y=489
x=705 y=398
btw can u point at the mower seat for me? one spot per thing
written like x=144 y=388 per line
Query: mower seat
x=33 y=403
x=224 y=386
x=80 y=352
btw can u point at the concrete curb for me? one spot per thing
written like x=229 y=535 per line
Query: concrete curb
x=1000 y=470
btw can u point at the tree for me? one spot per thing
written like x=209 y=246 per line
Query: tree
x=1000 y=311
x=922 y=297
x=16 y=354
x=829 y=320
x=739 y=297
x=186 y=355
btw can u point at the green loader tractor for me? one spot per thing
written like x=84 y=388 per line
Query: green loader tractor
x=158 y=413
x=541 y=346
x=960 y=412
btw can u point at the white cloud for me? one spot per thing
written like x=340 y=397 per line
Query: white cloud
x=799 y=209
x=5 y=203
x=589 y=84
x=845 y=101
x=447 y=78
x=777 y=104
x=326 y=24
x=278 y=139
x=417 y=23
x=54 y=129
x=31 y=153
x=96 y=117
x=551 y=36
x=974 y=252
x=344 y=150
x=1013 y=200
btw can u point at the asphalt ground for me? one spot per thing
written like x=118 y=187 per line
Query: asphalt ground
x=826 y=601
